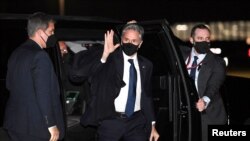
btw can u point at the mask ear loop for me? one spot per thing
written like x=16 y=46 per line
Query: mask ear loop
x=193 y=41
x=45 y=33
x=42 y=37
x=139 y=46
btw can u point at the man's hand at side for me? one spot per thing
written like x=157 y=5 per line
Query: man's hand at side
x=154 y=136
x=54 y=132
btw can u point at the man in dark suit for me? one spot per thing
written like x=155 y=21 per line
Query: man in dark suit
x=208 y=73
x=33 y=111
x=108 y=70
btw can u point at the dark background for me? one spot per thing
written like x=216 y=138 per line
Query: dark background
x=172 y=10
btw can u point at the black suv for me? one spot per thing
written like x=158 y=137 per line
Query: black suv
x=174 y=94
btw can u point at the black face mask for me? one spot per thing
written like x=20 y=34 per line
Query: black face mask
x=51 y=41
x=202 y=47
x=129 y=49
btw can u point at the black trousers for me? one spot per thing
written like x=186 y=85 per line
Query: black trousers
x=14 y=136
x=123 y=128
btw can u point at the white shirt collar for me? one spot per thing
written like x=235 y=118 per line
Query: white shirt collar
x=126 y=57
x=200 y=56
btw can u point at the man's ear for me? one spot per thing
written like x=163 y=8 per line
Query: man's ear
x=40 y=32
x=191 y=40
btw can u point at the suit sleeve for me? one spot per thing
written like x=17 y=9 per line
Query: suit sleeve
x=86 y=63
x=216 y=79
x=43 y=73
x=149 y=96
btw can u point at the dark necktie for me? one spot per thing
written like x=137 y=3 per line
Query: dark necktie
x=131 y=90
x=193 y=68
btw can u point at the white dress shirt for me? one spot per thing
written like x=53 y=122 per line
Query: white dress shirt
x=121 y=100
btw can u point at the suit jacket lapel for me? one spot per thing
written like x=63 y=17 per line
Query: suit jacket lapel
x=119 y=67
x=204 y=73
x=119 y=63
x=142 y=68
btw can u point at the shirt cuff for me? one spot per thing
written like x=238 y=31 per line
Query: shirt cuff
x=52 y=126
x=103 y=61
x=207 y=100
x=153 y=123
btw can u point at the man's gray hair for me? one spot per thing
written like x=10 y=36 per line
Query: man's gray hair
x=37 y=21
x=133 y=26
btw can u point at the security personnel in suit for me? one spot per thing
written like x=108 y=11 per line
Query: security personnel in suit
x=109 y=72
x=208 y=72
x=33 y=111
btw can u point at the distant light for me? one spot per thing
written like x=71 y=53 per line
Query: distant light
x=181 y=27
x=248 y=40
x=216 y=50
x=226 y=60
x=248 y=54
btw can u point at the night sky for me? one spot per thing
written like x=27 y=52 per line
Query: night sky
x=172 y=10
